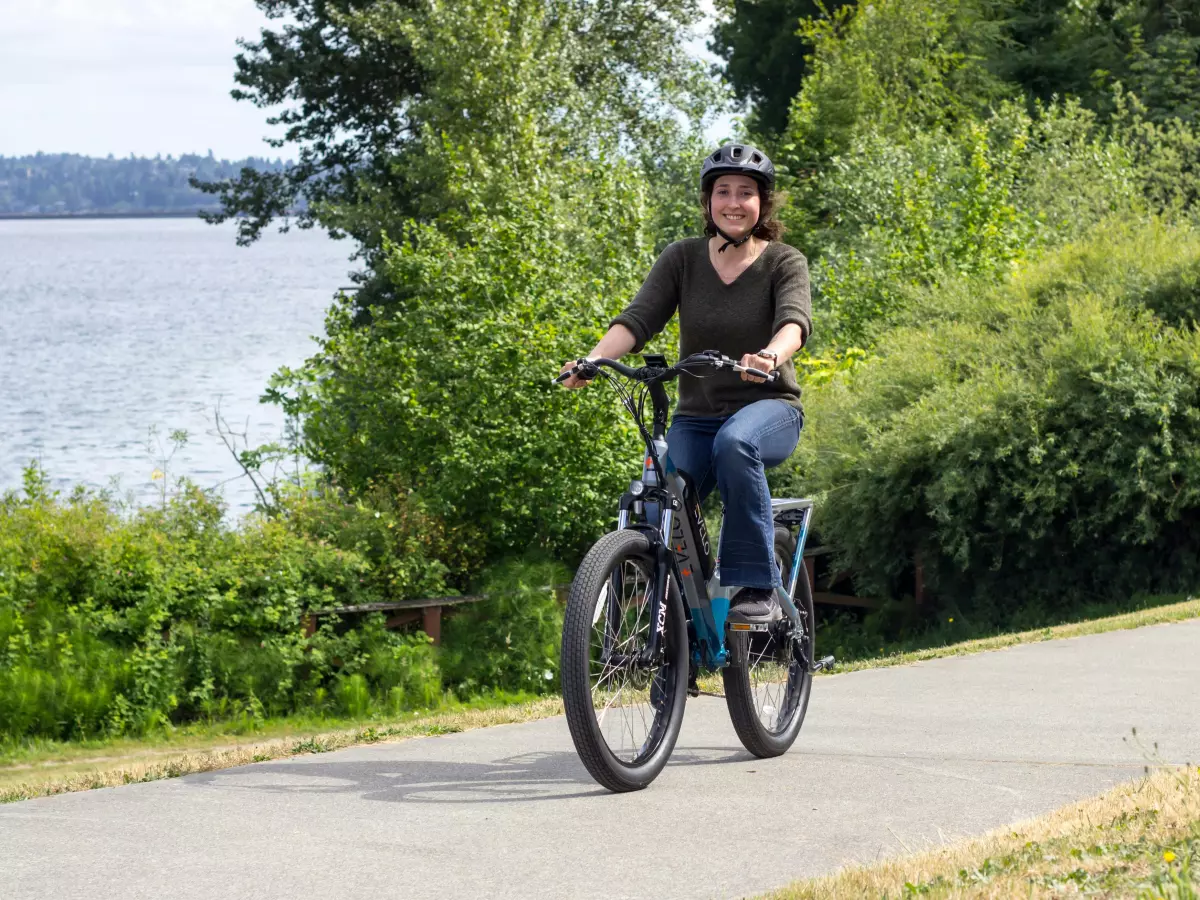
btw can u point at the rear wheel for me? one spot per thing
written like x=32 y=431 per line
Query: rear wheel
x=768 y=679
x=624 y=714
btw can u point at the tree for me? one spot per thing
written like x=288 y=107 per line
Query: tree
x=1066 y=48
x=352 y=84
x=765 y=55
x=545 y=142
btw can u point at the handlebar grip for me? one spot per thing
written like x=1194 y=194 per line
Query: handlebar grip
x=766 y=377
x=586 y=369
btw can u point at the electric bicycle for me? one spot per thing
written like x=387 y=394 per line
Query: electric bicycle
x=647 y=612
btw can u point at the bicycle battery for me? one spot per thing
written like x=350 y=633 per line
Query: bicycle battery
x=697 y=536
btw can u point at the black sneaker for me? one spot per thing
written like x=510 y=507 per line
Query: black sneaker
x=755 y=606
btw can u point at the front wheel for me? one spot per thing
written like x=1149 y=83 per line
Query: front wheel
x=624 y=714
x=769 y=677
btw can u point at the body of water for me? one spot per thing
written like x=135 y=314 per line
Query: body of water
x=112 y=327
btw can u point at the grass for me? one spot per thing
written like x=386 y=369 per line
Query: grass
x=1154 y=615
x=1139 y=840
x=38 y=769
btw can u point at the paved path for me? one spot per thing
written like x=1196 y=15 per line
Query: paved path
x=888 y=759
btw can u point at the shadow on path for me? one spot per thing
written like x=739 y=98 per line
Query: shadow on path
x=538 y=775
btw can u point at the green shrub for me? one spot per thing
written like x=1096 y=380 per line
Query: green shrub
x=510 y=641
x=905 y=215
x=122 y=625
x=408 y=551
x=1036 y=443
x=479 y=432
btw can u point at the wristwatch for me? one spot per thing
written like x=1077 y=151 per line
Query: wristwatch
x=767 y=354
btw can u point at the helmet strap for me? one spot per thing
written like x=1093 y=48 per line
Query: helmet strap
x=730 y=242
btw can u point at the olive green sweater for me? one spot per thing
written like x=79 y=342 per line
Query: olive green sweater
x=734 y=318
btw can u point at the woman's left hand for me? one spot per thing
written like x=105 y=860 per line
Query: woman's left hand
x=751 y=361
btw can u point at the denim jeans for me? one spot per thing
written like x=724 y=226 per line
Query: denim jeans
x=733 y=453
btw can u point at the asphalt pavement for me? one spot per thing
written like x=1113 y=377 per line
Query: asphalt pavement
x=889 y=760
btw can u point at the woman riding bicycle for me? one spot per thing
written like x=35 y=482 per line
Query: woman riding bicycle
x=742 y=292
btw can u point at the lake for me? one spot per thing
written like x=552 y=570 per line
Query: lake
x=112 y=327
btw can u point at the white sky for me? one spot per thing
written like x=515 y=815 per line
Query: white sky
x=131 y=76
x=126 y=76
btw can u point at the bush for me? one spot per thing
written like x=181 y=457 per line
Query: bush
x=905 y=215
x=445 y=383
x=408 y=551
x=1036 y=443
x=511 y=640
x=121 y=625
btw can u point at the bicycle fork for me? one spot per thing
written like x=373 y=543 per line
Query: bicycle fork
x=664 y=565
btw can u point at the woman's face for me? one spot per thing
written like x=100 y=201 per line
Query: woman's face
x=735 y=204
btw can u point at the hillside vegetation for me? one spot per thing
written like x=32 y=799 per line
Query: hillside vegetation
x=48 y=184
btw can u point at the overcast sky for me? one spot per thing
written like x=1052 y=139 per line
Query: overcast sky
x=129 y=76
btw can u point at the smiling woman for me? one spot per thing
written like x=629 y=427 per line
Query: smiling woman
x=741 y=292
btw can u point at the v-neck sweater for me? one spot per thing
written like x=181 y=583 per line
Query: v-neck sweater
x=735 y=319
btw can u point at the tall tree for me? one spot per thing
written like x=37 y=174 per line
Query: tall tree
x=351 y=83
x=538 y=163
x=765 y=55
x=1083 y=48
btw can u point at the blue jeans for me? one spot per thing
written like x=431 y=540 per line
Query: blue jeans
x=733 y=453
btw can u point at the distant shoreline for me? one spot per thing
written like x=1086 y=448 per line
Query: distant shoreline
x=138 y=214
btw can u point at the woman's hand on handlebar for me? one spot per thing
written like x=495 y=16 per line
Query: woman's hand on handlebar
x=573 y=381
x=751 y=361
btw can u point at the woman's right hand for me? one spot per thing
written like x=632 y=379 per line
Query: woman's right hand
x=574 y=381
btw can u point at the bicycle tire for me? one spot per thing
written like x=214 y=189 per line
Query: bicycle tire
x=746 y=707
x=587 y=726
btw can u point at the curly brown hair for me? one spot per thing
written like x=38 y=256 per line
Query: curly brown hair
x=768 y=228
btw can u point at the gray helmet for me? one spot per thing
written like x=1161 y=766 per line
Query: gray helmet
x=737 y=159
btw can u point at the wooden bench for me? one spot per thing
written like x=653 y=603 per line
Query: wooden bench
x=428 y=610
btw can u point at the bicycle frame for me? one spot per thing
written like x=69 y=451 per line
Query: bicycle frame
x=683 y=550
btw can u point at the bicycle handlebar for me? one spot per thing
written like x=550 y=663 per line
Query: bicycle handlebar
x=591 y=367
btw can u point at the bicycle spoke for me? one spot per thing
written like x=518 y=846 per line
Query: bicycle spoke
x=620 y=688
x=771 y=680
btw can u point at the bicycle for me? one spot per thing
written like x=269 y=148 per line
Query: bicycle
x=646 y=613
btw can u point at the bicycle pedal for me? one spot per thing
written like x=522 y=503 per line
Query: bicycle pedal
x=746 y=626
x=827 y=663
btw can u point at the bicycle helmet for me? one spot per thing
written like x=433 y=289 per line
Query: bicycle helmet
x=736 y=159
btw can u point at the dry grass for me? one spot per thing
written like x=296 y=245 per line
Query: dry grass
x=127 y=762
x=1138 y=840
x=26 y=782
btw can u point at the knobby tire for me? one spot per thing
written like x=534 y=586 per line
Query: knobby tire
x=619 y=549
x=739 y=676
